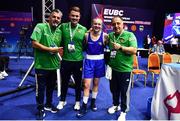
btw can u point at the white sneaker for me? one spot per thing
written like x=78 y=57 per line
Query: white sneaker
x=113 y=109
x=4 y=73
x=122 y=117
x=1 y=76
x=77 y=105
x=61 y=105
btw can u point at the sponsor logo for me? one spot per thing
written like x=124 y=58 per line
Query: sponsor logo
x=172 y=103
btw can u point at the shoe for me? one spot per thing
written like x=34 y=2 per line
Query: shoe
x=93 y=105
x=1 y=76
x=82 y=111
x=113 y=109
x=61 y=105
x=122 y=117
x=4 y=73
x=77 y=106
x=51 y=108
x=40 y=115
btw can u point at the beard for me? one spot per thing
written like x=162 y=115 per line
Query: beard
x=55 y=24
x=117 y=30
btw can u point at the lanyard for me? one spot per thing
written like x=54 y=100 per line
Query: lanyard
x=70 y=31
x=52 y=36
x=52 y=33
x=115 y=40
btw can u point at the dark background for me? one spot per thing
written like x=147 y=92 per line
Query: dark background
x=160 y=7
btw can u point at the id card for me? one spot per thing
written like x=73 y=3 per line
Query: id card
x=71 y=47
x=113 y=54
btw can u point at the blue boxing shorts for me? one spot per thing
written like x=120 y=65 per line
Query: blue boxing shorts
x=94 y=68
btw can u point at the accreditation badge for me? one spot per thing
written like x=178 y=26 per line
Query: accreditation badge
x=113 y=54
x=71 y=47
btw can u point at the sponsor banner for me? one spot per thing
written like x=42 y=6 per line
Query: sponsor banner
x=172 y=28
x=138 y=21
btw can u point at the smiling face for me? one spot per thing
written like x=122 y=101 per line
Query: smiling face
x=74 y=17
x=97 y=25
x=55 y=19
x=117 y=24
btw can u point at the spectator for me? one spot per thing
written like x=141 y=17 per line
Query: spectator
x=158 y=48
x=174 y=41
x=4 y=60
x=147 y=42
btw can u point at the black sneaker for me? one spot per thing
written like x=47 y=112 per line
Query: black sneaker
x=40 y=115
x=93 y=105
x=82 y=111
x=51 y=108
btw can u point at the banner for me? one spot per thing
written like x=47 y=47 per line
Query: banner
x=172 y=28
x=14 y=31
x=166 y=99
x=138 y=21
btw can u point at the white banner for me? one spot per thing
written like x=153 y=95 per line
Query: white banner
x=166 y=100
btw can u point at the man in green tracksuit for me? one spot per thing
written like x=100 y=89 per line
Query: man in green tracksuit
x=46 y=39
x=72 y=41
x=122 y=45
